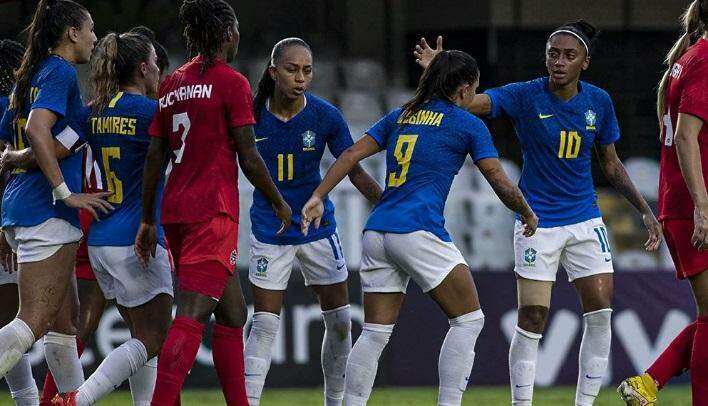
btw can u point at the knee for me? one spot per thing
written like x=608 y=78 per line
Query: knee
x=234 y=318
x=533 y=318
x=152 y=341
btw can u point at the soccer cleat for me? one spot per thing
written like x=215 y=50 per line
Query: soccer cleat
x=639 y=390
x=68 y=399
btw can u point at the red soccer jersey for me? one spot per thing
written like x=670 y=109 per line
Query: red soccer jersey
x=196 y=111
x=687 y=93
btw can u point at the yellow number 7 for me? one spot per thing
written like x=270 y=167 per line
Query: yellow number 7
x=114 y=184
x=403 y=154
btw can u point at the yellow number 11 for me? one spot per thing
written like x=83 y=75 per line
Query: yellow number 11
x=403 y=154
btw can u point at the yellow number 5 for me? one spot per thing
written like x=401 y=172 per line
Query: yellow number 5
x=569 y=145
x=403 y=154
x=114 y=184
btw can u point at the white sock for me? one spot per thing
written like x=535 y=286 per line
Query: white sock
x=522 y=366
x=15 y=339
x=364 y=362
x=63 y=361
x=594 y=352
x=118 y=366
x=457 y=357
x=142 y=383
x=257 y=353
x=336 y=346
x=21 y=383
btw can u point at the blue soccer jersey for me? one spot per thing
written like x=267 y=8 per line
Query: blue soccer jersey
x=424 y=152
x=556 y=140
x=292 y=152
x=119 y=139
x=27 y=200
x=4 y=102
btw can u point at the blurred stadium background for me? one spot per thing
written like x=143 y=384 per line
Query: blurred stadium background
x=363 y=63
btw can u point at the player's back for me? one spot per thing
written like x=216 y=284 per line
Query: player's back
x=196 y=109
x=118 y=136
x=424 y=152
x=686 y=93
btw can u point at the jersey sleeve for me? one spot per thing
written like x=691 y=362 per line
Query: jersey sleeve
x=694 y=97
x=6 y=126
x=383 y=128
x=479 y=141
x=339 y=138
x=156 y=129
x=609 y=131
x=508 y=99
x=239 y=103
x=55 y=89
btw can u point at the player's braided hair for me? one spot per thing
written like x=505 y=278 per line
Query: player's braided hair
x=10 y=58
x=50 y=22
x=266 y=86
x=163 y=60
x=446 y=72
x=206 y=27
x=114 y=63
x=694 y=22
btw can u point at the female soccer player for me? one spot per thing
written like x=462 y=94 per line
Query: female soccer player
x=426 y=142
x=293 y=128
x=39 y=208
x=559 y=120
x=682 y=107
x=125 y=71
x=19 y=379
x=205 y=119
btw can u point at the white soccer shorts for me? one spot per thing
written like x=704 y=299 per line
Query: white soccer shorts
x=582 y=248
x=321 y=263
x=390 y=260
x=37 y=243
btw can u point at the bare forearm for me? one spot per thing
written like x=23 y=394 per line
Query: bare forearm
x=508 y=193
x=481 y=105
x=365 y=184
x=257 y=173
x=44 y=152
x=341 y=168
x=151 y=179
x=619 y=179
x=689 y=157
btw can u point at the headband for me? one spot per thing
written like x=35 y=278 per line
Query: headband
x=573 y=33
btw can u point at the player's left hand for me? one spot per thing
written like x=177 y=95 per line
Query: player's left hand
x=146 y=243
x=312 y=212
x=6 y=160
x=285 y=214
x=656 y=235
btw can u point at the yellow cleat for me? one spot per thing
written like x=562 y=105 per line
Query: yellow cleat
x=639 y=390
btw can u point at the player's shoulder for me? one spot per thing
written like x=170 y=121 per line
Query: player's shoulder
x=56 y=68
x=322 y=107
x=465 y=120
x=140 y=105
x=596 y=93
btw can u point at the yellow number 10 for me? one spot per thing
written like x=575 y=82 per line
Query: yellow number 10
x=281 y=167
x=569 y=145
x=403 y=154
x=114 y=184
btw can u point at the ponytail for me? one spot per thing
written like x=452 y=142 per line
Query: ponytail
x=694 y=21
x=51 y=20
x=266 y=85
x=114 y=63
x=446 y=72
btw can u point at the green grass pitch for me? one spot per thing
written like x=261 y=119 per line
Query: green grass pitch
x=679 y=395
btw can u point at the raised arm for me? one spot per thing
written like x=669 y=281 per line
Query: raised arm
x=314 y=208
x=508 y=193
x=617 y=176
x=257 y=173
x=689 y=156
x=481 y=105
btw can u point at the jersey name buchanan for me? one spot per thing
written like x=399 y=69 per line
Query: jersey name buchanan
x=184 y=93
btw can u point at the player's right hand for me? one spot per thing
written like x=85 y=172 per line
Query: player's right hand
x=146 y=243
x=700 y=228
x=91 y=202
x=530 y=222
x=285 y=214
x=312 y=212
x=424 y=54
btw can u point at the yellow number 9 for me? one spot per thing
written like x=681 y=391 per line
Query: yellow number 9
x=403 y=154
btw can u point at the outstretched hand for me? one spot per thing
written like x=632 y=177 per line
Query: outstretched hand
x=312 y=212
x=424 y=54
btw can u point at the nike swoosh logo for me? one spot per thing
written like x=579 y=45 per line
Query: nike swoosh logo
x=524 y=386
x=261 y=139
x=544 y=116
x=251 y=374
x=593 y=377
x=608 y=259
x=340 y=267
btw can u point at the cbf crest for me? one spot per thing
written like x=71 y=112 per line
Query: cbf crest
x=590 y=119
x=261 y=266
x=309 y=139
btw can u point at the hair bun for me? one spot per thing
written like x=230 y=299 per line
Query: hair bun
x=144 y=31
x=585 y=27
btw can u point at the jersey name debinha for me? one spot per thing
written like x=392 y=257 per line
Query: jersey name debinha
x=422 y=117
